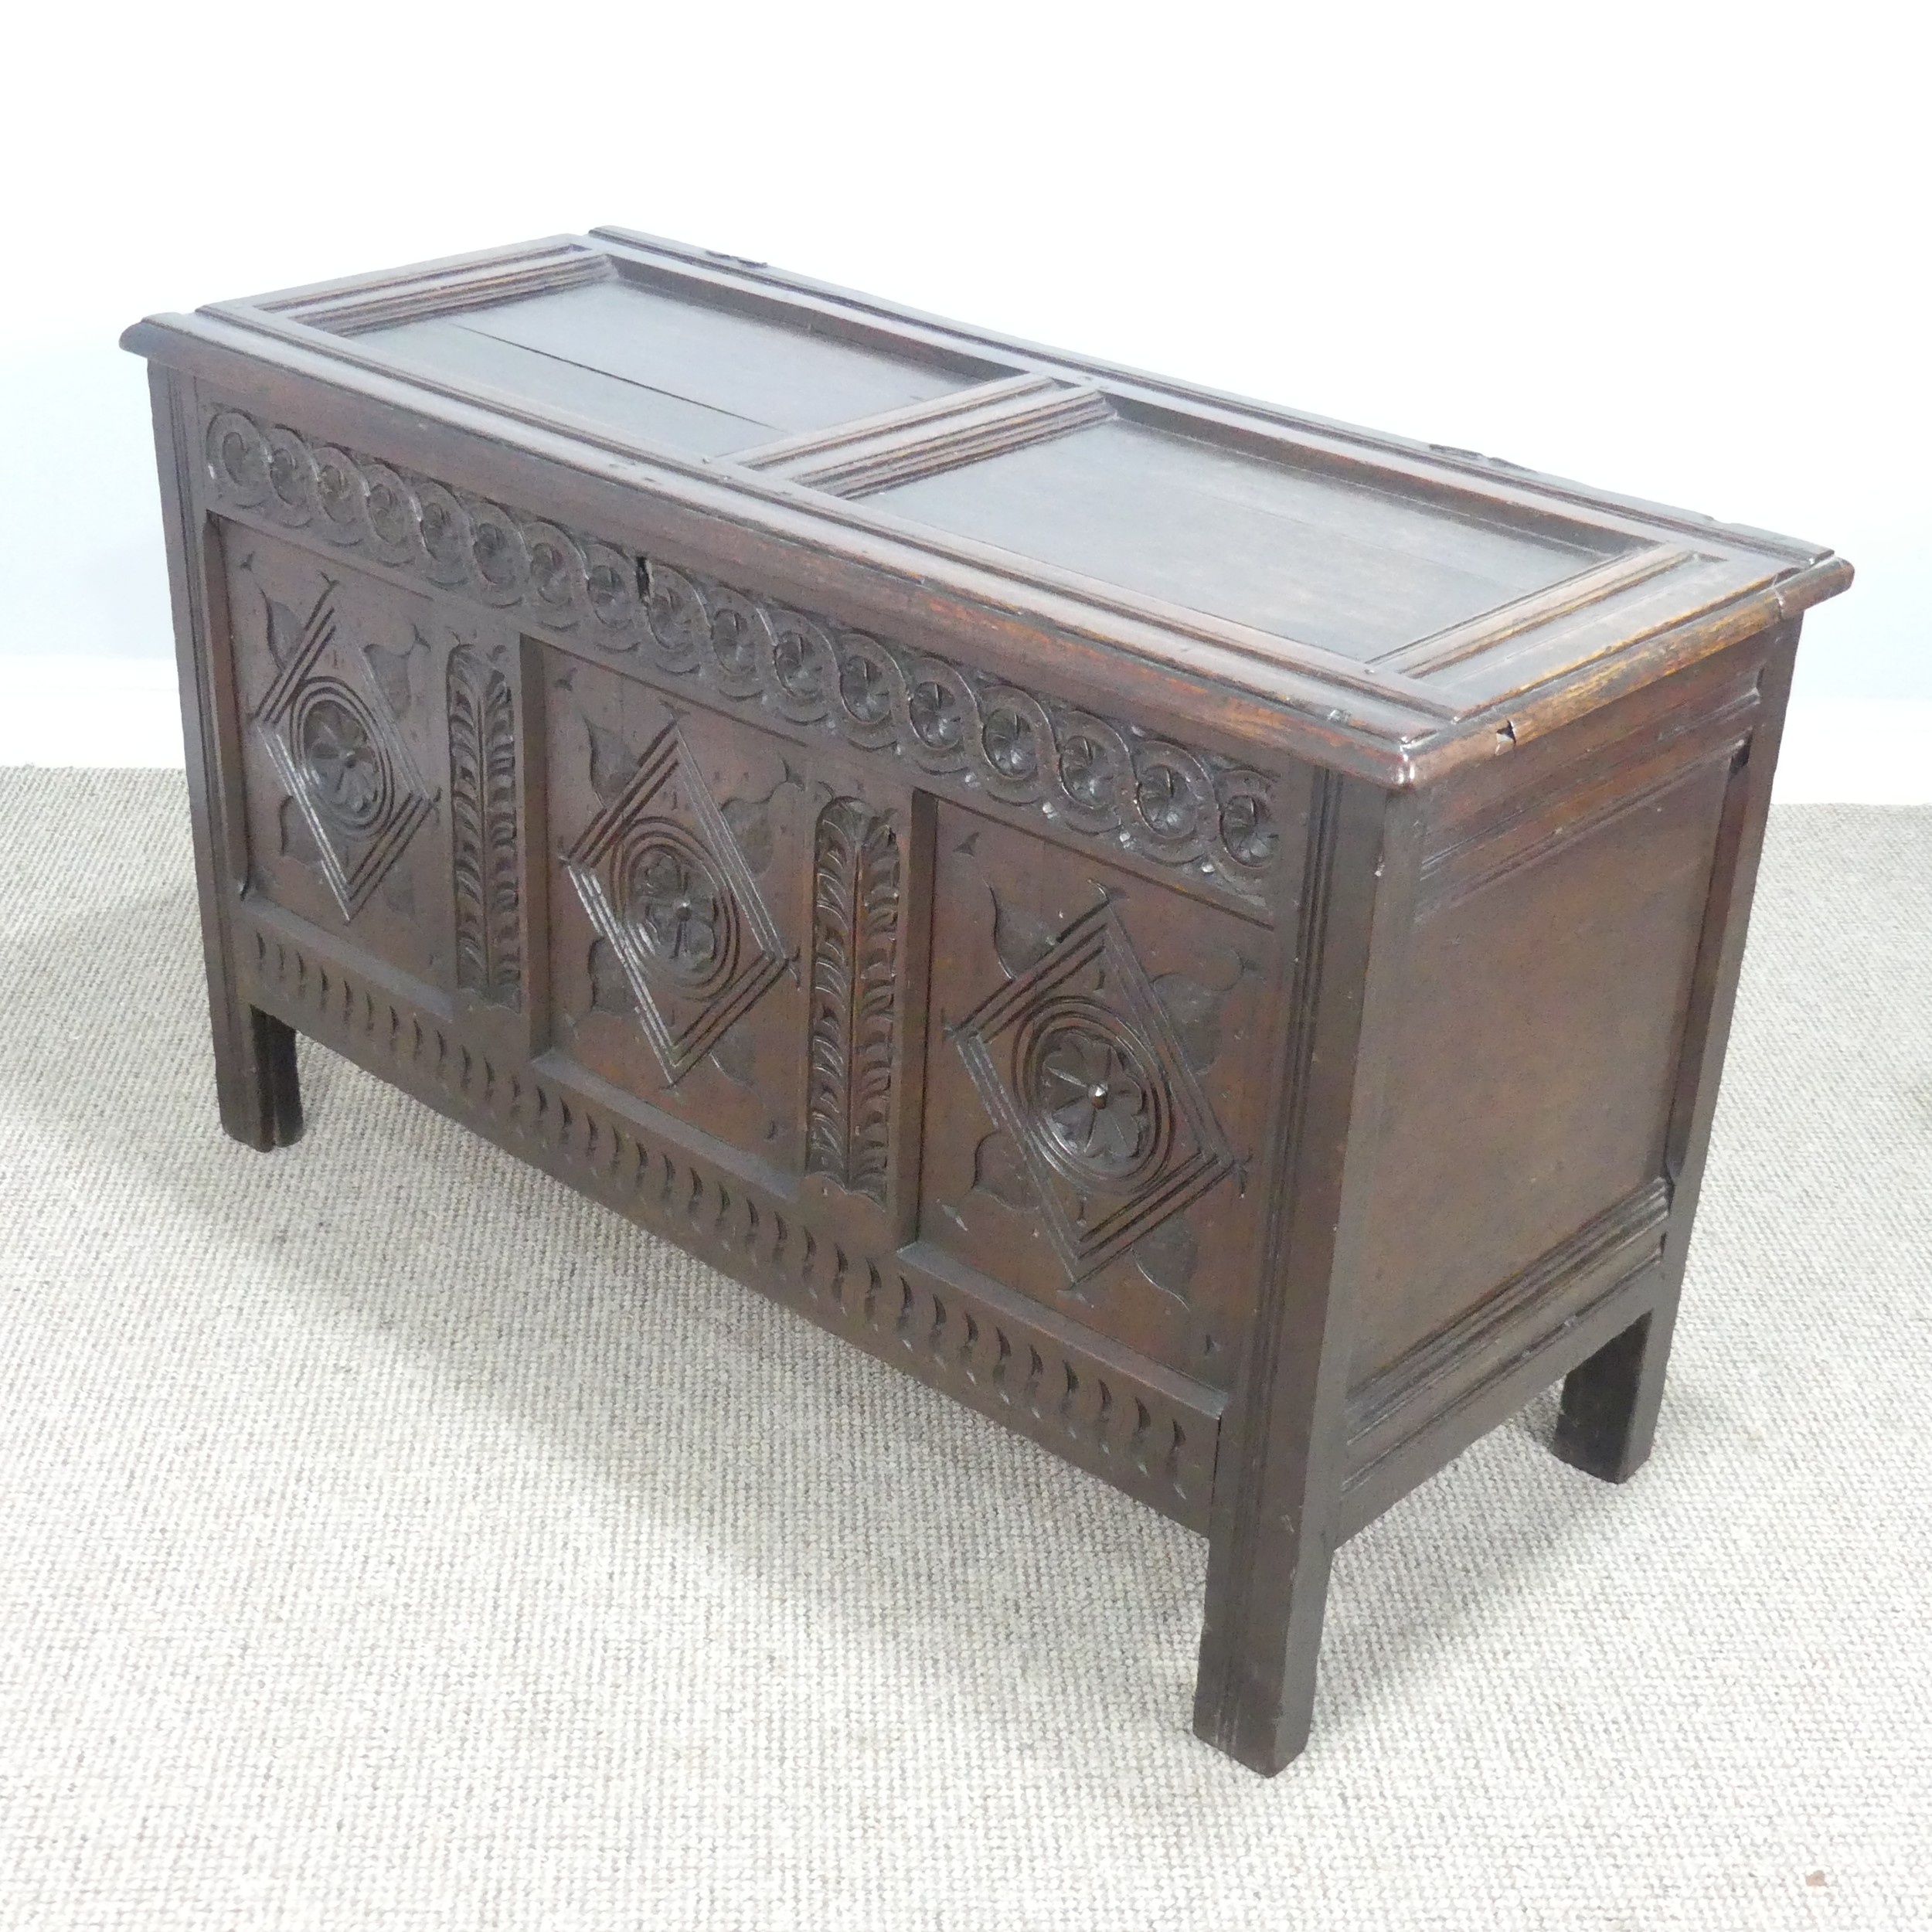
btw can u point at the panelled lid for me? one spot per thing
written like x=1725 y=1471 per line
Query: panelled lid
x=1407 y=600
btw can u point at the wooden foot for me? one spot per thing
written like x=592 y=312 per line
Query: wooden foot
x=1254 y=1697
x=1609 y=1414
x=255 y=1080
x=1282 y=1458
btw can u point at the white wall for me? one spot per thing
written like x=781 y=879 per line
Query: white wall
x=1676 y=250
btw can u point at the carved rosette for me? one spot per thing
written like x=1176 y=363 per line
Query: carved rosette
x=1097 y=777
x=669 y=892
x=1078 y=1063
x=484 y=849
x=854 y=1023
x=341 y=761
x=1093 y=1093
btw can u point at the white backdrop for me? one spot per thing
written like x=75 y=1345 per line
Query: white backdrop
x=1677 y=249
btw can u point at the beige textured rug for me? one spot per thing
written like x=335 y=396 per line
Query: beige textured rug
x=389 y=1539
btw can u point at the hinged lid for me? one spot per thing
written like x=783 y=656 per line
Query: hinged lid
x=1409 y=599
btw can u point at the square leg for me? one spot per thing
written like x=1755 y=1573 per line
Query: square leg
x=1261 y=1639
x=255 y=1082
x=1279 y=1473
x=1608 y=1419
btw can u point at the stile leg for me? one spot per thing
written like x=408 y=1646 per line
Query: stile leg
x=1608 y=1419
x=256 y=1086
x=1282 y=1461
x=1254 y=1697
x=256 y=1083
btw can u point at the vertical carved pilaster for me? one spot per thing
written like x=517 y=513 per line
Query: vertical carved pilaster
x=855 y=1017
x=483 y=856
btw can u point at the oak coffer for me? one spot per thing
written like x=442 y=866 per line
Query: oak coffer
x=1205 y=933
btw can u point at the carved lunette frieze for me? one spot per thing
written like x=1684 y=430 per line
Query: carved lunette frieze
x=1098 y=777
x=854 y=949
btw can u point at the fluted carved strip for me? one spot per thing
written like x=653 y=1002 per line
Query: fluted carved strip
x=483 y=857
x=854 y=1015
x=1147 y=1443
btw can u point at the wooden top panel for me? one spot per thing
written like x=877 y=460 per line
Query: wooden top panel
x=1392 y=605
x=667 y=371
x=1291 y=553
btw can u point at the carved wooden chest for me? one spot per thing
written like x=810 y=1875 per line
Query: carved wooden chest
x=1205 y=933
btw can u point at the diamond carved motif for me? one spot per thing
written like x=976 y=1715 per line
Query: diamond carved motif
x=1075 y=1059
x=665 y=884
x=341 y=761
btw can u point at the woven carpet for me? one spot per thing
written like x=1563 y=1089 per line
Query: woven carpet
x=389 y=1538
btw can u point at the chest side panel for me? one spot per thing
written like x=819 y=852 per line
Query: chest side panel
x=1555 y=998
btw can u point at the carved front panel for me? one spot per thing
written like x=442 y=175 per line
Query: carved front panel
x=680 y=903
x=341 y=690
x=1094 y=1097
x=950 y=994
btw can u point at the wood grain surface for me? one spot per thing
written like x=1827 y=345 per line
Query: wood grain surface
x=1208 y=935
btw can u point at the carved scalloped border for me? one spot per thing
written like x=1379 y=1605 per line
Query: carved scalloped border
x=1124 y=1431
x=1190 y=810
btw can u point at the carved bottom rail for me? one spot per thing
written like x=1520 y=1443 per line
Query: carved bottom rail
x=1139 y=1428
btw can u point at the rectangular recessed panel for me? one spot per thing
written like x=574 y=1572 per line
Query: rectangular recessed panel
x=1538 y=1038
x=1295 y=551
x=1051 y=971
x=340 y=682
x=696 y=379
